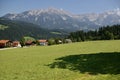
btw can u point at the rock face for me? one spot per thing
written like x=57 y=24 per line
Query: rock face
x=52 y=18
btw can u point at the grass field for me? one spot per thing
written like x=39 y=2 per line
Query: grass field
x=94 y=60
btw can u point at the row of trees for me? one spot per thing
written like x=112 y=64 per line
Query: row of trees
x=51 y=41
x=103 y=33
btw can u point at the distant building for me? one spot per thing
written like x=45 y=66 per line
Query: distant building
x=68 y=41
x=43 y=42
x=5 y=43
x=30 y=43
x=16 y=44
x=60 y=41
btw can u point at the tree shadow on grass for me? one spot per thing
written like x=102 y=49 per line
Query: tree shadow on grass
x=100 y=63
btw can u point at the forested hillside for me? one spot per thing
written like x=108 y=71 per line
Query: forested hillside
x=103 y=33
x=14 y=30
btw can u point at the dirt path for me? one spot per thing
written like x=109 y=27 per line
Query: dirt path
x=8 y=48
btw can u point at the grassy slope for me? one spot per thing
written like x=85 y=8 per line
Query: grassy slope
x=34 y=63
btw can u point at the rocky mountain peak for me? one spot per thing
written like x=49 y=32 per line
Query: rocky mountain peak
x=60 y=19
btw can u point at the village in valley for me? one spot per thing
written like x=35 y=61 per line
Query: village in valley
x=28 y=43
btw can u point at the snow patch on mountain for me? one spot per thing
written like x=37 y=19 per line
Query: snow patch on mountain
x=64 y=18
x=58 y=18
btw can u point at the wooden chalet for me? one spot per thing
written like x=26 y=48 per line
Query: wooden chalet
x=43 y=42
x=30 y=43
x=16 y=44
x=5 y=43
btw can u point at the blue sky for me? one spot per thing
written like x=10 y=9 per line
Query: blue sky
x=73 y=6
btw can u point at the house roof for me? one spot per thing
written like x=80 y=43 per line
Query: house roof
x=16 y=42
x=43 y=40
x=4 y=41
x=28 y=42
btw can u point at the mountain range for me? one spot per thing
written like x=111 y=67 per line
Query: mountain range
x=53 y=18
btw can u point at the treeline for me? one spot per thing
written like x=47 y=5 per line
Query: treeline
x=103 y=33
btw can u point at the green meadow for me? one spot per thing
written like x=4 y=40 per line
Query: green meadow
x=92 y=60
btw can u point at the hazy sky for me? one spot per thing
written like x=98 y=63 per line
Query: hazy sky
x=73 y=6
